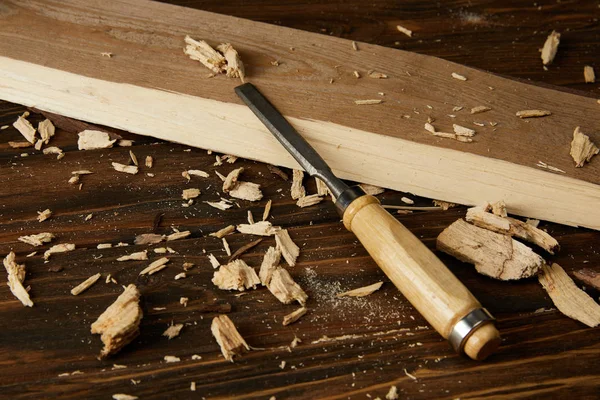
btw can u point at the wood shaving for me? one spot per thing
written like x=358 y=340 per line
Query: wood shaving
x=479 y=109
x=59 y=248
x=38 y=239
x=149 y=162
x=362 y=291
x=244 y=249
x=550 y=48
x=236 y=275
x=462 y=131
x=3 y=127
x=493 y=254
x=322 y=189
x=171 y=359
x=19 y=145
x=213 y=261
x=155 y=266
x=134 y=159
x=297 y=190
x=46 y=130
x=139 y=256
x=404 y=30
x=129 y=169
x=246 y=191
x=226 y=247
x=283 y=287
x=411 y=376
x=543 y=165
x=368 y=102
x=265 y=215
x=261 y=228
x=106 y=54
x=235 y=67
x=125 y=143
x=104 y=246
x=88 y=217
x=277 y=171
x=81 y=172
x=392 y=394
x=173 y=331
x=44 y=215
x=16 y=276
x=377 y=75
x=532 y=113
x=92 y=140
x=231 y=179
x=188 y=194
x=310 y=200
x=229 y=339
x=85 y=285
x=589 y=277
x=588 y=74
x=123 y=396
x=221 y=205
x=26 y=129
x=197 y=172
x=294 y=316
x=270 y=262
x=289 y=250
x=119 y=324
x=567 y=297
x=459 y=76
x=178 y=235
x=149 y=238
x=224 y=231
x=444 y=205
x=406 y=200
x=201 y=51
x=371 y=189
x=582 y=148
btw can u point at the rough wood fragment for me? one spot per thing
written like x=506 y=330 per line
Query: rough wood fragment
x=226 y=246
x=479 y=109
x=277 y=171
x=123 y=396
x=283 y=287
x=44 y=215
x=444 y=205
x=377 y=75
x=46 y=130
x=392 y=394
x=85 y=285
x=236 y=275
x=461 y=130
x=201 y=51
x=406 y=200
x=235 y=67
x=532 y=113
x=59 y=248
x=213 y=261
x=404 y=30
x=178 y=235
x=138 y=256
x=188 y=194
x=322 y=189
x=224 y=231
x=243 y=249
x=125 y=143
x=371 y=189
x=119 y=324
x=129 y=169
x=38 y=239
x=265 y=215
x=368 y=102
x=550 y=48
x=567 y=297
x=149 y=238
x=149 y=162
x=261 y=228
x=297 y=190
x=171 y=359
x=497 y=208
x=221 y=205
x=26 y=129
x=362 y=291
x=310 y=200
x=104 y=246
x=19 y=145
x=582 y=148
x=493 y=254
x=229 y=339
x=184 y=301
x=155 y=266
x=231 y=179
x=588 y=74
x=294 y=316
x=459 y=76
x=270 y=262
x=588 y=277
x=289 y=250
x=16 y=276
x=246 y=191
x=92 y=140
x=173 y=331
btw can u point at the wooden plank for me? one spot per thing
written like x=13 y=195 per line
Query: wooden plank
x=90 y=87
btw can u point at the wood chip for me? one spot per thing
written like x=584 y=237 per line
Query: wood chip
x=532 y=113
x=582 y=148
x=133 y=157
x=149 y=238
x=149 y=162
x=479 y=109
x=92 y=140
x=235 y=67
x=265 y=215
x=322 y=189
x=173 y=331
x=244 y=249
x=59 y=248
x=567 y=297
x=406 y=200
x=261 y=228
x=368 y=102
x=85 y=285
x=294 y=316
x=221 y=205
x=289 y=250
x=231 y=179
x=38 y=239
x=588 y=74
x=123 y=396
x=392 y=394
x=44 y=215
x=371 y=189
x=188 y=194
x=19 y=145
x=362 y=291
x=224 y=231
x=213 y=261
x=550 y=48
x=310 y=200
x=462 y=131
x=283 y=287
x=201 y=51
x=354 y=46
x=171 y=359
x=193 y=386
x=404 y=30
x=46 y=130
x=246 y=191
x=226 y=247
x=356 y=74
x=297 y=190
x=493 y=254
x=588 y=277
x=459 y=76
x=444 y=205
x=155 y=266
x=26 y=129
x=125 y=143
x=270 y=262
x=543 y=165
x=184 y=301
x=178 y=235
x=129 y=169
x=277 y=171
x=119 y=324
x=236 y=275
x=139 y=256
x=16 y=276
x=377 y=75
x=229 y=339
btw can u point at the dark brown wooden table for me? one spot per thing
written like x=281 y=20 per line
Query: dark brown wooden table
x=351 y=348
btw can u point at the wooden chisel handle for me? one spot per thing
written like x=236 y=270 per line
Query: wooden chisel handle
x=423 y=279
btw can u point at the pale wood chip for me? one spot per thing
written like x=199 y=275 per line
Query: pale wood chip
x=532 y=113
x=368 y=102
x=119 y=324
x=283 y=287
x=188 y=194
x=322 y=189
x=85 y=285
x=289 y=250
x=246 y=191
x=81 y=172
x=404 y=30
x=224 y=231
x=155 y=266
x=543 y=165
x=193 y=386
x=429 y=128
x=250 y=217
x=44 y=215
x=392 y=394
x=46 y=130
x=479 y=109
x=226 y=247
x=133 y=157
x=588 y=74
x=550 y=48
x=123 y=396
x=173 y=331
x=197 y=172
x=261 y=228
x=567 y=297
x=104 y=246
x=582 y=148
x=362 y=291
x=184 y=302
x=3 y=127
x=236 y=275
x=139 y=256
x=269 y=264
x=88 y=217
x=310 y=200
x=294 y=316
x=297 y=190
x=171 y=359
x=59 y=248
x=267 y=210
x=221 y=205
x=588 y=277
x=125 y=143
x=201 y=51
x=178 y=235
x=149 y=238
x=235 y=67
x=213 y=261
x=356 y=74
x=231 y=179
x=229 y=339
x=444 y=205
x=16 y=276
x=26 y=129
x=19 y=145
x=91 y=140
x=38 y=239
x=406 y=200
x=493 y=254
x=377 y=75
x=459 y=76
x=129 y=169
x=371 y=189
x=461 y=130
x=149 y=162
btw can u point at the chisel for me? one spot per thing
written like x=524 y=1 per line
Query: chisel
x=421 y=277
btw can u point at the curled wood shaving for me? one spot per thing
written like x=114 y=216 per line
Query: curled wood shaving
x=479 y=109
x=227 y=336
x=44 y=215
x=270 y=262
x=588 y=74
x=235 y=67
x=26 y=129
x=289 y=250
x=532 y=113
x=91 y=140
x=261 y=228
x=85 y=285
x=550 y=48
x=149 y=238
x=224 y=231
x=246 y=191
x=459 y=76
x=16 y=276
x=173 y=331
x=377 y=75
x=38 y=239
x=567 y=297
x=231 y=179
x=59 y=248
x=310 y=200
x=46 y=130
x=178 y=235
x=221 y=205
x=582 y=148
x=404 y=30
x=129 y=169
x=368 y=102
x=294 y=316
x=236 y=275
x=267 y=210
x=283 y=287
x=371 y=189
x=362 y=291
x=155 y=266
x=139 y=256
x=119 y=324
x=201 y=51
x=188 y=194
x=297 y=190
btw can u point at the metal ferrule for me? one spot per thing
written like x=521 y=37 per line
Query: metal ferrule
x=467 y=325
x=347 y=197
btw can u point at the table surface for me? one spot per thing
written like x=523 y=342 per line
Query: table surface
x=351 y=348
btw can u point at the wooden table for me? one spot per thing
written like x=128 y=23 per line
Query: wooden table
x=351 y=348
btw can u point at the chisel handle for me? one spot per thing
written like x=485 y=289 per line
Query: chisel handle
x=423 y=279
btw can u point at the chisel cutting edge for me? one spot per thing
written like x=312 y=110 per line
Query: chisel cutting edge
x=421 y=277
